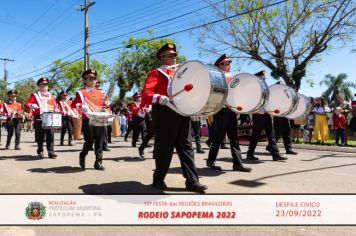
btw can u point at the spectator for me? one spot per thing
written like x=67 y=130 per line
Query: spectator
x=339 y=122
x=321 y=129
x=123 y=123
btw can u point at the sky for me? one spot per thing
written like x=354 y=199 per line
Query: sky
x=36 y=32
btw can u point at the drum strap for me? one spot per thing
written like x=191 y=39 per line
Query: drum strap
x=7 y=108
x=39 y=100
x=168 y=77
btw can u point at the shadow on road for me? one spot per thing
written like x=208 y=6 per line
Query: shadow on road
x=127 y=159
x=126 y=187
x=22 y=158
x=333 y=155
x=68 y=150
x=57 y=170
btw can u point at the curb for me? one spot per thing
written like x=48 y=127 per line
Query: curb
x=310 y=147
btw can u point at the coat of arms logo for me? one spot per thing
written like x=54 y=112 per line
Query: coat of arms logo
x=35 y=211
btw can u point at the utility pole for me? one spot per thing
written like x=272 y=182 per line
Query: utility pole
x=5 y=71
x=85 y=8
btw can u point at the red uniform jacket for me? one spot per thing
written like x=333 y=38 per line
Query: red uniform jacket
x=94 y=98
x=11 y=108
x=63 y=109
x=156 y=85
x=134 y=109
x=339 y=121
x=46 y=101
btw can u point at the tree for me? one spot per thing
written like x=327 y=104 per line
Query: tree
x=286 y=37
x=65 y=76
x=134 y=63
x=3 y=90
x=24 y=89
x=335 y=85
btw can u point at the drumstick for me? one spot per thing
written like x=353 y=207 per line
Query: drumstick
x=187 y=88
x=275 y=111
x=239 y=108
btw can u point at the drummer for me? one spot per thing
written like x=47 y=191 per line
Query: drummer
x=172 y=129
x=226 y=122
x=263 y=121
x=12 y=109
x=39 y=102
x=67 y=113
x=89 y=99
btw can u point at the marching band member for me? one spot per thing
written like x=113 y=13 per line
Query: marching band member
x=107 y=129
x=226 y=122
x=150 y=131
x=67 y=113
x=263 y=121
x=90 y=99
x=138 y=118
x=172 y=129
x=39 y=102
x=12 y=109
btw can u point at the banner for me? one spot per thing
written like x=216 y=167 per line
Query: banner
x=246 y=209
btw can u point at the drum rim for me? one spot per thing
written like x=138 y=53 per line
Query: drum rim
x=294 y=101
x=263 y=99
x=201 y=112
x=308 y=108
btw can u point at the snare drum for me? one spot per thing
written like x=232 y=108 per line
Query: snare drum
x=208 y=93
x=100 y=119
x=303 y=108
x=241 y=88
x=51 y=120
x=282 y=100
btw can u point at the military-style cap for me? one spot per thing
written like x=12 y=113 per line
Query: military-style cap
x=262 y=73
x=89 y=72
x=42 y=80
x=222 y=58
x=136 y=95
x=63 y=93
x=13 y=91
x=168 y=48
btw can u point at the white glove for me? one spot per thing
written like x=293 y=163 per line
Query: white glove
x=163 y=100
x=141 y=114
x=85 y=108
x=33 y=106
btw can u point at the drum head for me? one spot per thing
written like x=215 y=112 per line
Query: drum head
x=281 y=98
x=303 y=108
x=241 y=88
x=191 y=102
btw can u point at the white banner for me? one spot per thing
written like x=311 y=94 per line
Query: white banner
x=178 y=209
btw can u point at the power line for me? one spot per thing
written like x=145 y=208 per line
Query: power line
x=196 y=27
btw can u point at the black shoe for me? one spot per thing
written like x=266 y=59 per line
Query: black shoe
x=268 y=148
x=61 y=144
x=109 y=142
x=52 y=155
x=213 y=166
x=222 y=146
x=200 y=151
x=91 y=149
x=251 y=158
x=291 y=152
x=133 y=145
x=40 y=155
x=106 y=149
x=141 y=153
x=82 y=162
x=241 y=168
x=161 y=185
x=197 y=187
x=277 y=157
x=70 y=144
x=98 y=166
x=208 y=143
x=7 y=147
x=17 y=147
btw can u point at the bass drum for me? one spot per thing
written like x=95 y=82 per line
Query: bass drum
x=282 y=100
x=208 y=92
x=303 y=108
x=241 y=87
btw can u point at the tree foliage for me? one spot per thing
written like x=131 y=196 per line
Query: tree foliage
x=336 y=84
x=65 y=76
x=134 y=63
x=25 y=89
x=286 y=37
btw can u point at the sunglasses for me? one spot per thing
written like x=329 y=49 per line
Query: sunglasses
x=43 y=84
x=90 y=78
x=225 y=63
